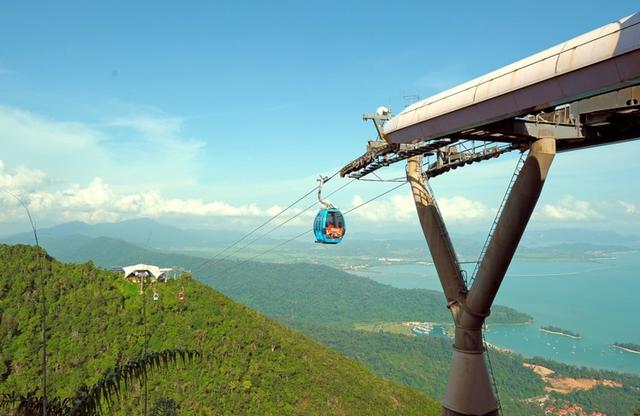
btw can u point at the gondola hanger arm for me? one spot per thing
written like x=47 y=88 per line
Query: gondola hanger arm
x=321 y=181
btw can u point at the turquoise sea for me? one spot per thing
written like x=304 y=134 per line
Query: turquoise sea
x=599 y=300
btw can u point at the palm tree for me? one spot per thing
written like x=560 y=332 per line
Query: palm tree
x=89 y=401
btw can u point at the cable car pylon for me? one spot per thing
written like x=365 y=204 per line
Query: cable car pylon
x=584 y=92
x=470 y=390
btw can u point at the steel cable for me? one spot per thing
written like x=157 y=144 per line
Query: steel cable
x=233 y=267
x=244 y=237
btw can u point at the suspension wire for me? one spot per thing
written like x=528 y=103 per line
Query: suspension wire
x=145 y=344
x=268 y=251
x=264 y=223
x=399 y=179
x=381 y=179
x=375 y=197
x=43 y=299
x=244 y=237
x=285 y=222
x=309 y=231
x=491 y=372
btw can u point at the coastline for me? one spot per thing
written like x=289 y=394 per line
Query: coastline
x=499 y=324
x=593 y=350
x=559 y=333
x=624 y=349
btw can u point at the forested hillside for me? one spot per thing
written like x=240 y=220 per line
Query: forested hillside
x=325 y=303
x=322 y=294
x=423 y=363
x=299 y=292
x=250 y=364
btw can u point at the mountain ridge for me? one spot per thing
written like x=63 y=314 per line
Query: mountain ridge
x=255 y=365
x=147 y=230
x=290 y=292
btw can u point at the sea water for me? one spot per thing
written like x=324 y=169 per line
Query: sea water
x=600 y=300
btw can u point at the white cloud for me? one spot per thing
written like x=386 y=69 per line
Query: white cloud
x=401 y=208
x=395 y=209
x=100 y=202
x=23 y=128
x=150 y=126
x=459 y=208
x=153 y=204
x=22 y=178
x=149 y=148
x=570 y=209
x=628 y=207
x=274 y=210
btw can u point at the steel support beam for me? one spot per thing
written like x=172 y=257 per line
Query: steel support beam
x=469 y=390
x=435 y=232
x=511 y=225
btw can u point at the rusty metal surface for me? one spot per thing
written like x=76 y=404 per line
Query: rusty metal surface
x=511 y=225
x=469 y=389
x=435 y=231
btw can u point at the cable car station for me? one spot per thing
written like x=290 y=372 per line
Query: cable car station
x=578 y=94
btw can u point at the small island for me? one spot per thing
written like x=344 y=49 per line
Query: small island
x=627 y=346
x=559 y=331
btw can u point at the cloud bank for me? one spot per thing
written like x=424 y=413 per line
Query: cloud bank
x=571 y=209
x=97 y=201
x=401 y=208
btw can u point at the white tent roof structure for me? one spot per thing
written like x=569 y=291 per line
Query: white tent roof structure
x=155 y=271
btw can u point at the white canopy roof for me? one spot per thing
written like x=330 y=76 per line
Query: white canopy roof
x=155 y=271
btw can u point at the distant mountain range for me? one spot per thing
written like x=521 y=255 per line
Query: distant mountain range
x=291 y=292
x=142 y=232
x=146 y=230
x=151 y=234
x=580 y=236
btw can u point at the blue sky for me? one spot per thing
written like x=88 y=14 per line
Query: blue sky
x=214 y=114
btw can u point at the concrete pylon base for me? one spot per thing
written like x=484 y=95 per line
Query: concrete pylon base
x=469 y=390
x=447 y=412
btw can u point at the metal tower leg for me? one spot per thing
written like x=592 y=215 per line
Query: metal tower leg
x=469 y=390
x=435 y=232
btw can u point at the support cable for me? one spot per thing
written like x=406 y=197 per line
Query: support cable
x=491 y=372
x=397 y=180
x=309 y=231
x=516 y=172
x=145 y=344
x=375 y=197
x=43 y=300
x=281 y=224
x=250 y=233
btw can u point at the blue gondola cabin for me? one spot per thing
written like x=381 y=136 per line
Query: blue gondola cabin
x=329 y=226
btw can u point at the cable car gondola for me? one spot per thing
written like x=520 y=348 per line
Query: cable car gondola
x=329 y=226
